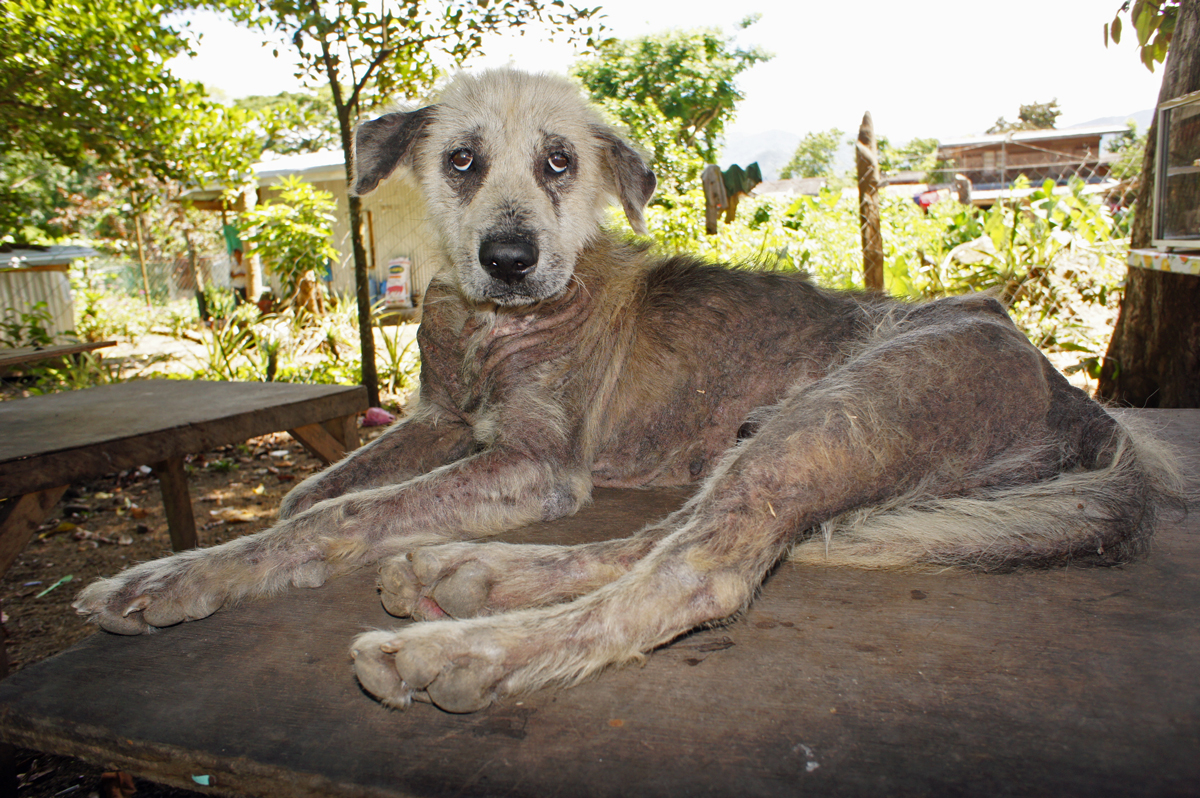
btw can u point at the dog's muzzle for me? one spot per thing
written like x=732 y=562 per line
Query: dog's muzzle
x=508 y=261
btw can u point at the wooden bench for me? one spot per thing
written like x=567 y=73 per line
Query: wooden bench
x=48 y=442
x=1073 y=681
x=24 y=355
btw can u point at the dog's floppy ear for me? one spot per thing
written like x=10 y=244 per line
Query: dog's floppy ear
x=633 y=179
x=385 y=143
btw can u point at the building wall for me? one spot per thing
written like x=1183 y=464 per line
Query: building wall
x=395 y=225
x=22 y=289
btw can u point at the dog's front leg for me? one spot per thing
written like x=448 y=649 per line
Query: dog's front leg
x=428 y=439
x=466 y=580
x=474 y=497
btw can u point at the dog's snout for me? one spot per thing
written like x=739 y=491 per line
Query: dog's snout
x=510 y=261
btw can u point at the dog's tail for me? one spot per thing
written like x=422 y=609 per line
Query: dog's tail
x=1105 y=515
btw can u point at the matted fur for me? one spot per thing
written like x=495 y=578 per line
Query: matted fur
x=842 y=429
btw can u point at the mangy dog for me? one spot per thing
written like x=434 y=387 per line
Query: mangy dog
x=843 y=429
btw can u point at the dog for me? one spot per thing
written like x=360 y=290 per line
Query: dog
x=834 y=428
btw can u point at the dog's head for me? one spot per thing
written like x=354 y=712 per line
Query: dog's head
x=517 y=171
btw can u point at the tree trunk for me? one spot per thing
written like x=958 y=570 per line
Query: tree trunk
x=1153 y=359
x=867 y=160
x=362 y=285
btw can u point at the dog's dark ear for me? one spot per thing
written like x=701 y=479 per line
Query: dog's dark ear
x=385 y=143
x=633 y=179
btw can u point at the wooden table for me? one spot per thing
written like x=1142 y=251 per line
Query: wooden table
x=1075 y=681
x=33 y=354
x=48 y=442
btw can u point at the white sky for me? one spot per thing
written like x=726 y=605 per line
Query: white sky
x=940 y=68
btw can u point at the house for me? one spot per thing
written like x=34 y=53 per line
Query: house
x=994 y=161
x=395 y=223
x=32 y=275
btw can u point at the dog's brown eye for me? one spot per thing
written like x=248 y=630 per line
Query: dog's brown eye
x=559 y=161
x=462 y=159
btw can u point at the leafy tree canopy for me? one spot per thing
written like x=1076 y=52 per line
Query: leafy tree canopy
x=1154 y=23
x=814 y=155
x=1034 y=116
x=917 y=155
x=688 y=75
x=84 y=79
x=292 y=122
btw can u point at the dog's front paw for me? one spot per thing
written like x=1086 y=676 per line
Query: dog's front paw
x=434 y=663
x=438 y=581
x=148 y=596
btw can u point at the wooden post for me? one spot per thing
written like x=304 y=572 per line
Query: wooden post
x=137 y=226
x=866 y=157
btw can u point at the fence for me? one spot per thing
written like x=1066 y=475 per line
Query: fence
x=165 y=280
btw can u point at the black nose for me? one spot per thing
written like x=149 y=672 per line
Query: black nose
x=509 y=261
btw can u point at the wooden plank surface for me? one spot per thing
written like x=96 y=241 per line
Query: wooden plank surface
x=100 y=430
x=31 y=354
x=1071 y=681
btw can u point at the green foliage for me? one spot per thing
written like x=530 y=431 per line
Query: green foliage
x=67 y=373
x=84 y=78
x=292 y=122
x=32 y=197
x=917 y=155
x=1054 y=258
x=1034 y=116
x=401 y=362
x=686 y=76
x=1130 y=149
x=28 y=328
x=294 y=231
x=224 y=142
x=815 y=155
x=1154 y=22
x=676 y=165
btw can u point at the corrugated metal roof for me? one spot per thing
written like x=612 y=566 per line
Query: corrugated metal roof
x=313 y=166
x=1032 y=135
x=47 y=256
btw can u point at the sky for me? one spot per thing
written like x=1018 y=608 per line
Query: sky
x=930 y=68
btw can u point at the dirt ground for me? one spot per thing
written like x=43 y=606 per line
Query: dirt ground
x=103 y=526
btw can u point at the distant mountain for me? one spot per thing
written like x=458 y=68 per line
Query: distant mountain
x=771 y=149
x=1142 y=118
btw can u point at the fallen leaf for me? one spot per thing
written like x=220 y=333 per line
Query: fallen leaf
x=83 y=534
x=125 y=540
x=234 y=515
x=138 y=512
x=286 y=477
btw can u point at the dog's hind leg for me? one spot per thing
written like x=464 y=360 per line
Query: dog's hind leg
x=905 y=413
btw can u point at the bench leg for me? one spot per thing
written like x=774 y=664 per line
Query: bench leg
x=177 y=502
x=329 y=444
x=345 y=429
x=19 y=519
